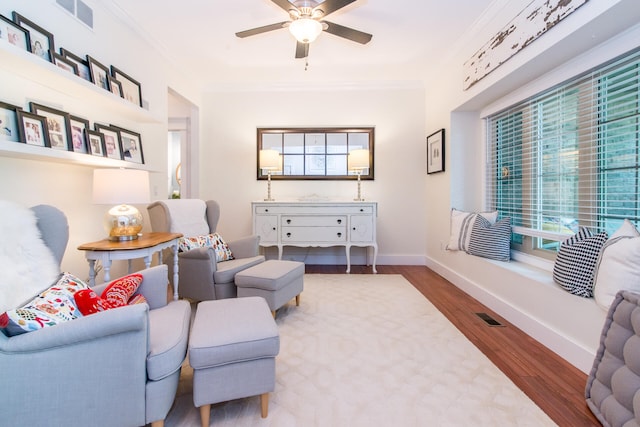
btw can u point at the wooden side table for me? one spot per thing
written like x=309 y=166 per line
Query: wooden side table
x=143 y=247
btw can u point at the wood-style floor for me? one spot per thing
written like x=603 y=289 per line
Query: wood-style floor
x=555 y=385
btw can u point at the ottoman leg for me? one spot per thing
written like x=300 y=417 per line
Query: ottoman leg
x=298 y=300
x=264 y=405
x=273 y=313
x=205 y=413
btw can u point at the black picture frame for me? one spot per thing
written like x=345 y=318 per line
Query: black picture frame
x=33 y=129
x=95 y=143
x=131 y=143
x=14 y=34
x=79 y=128
x=41 y=42
x=82 y=64
x=131 y=88
x=99 y=73
x=112 y=144
x=64 y=63
x=9 y=123
x=116 y=86
x=57 y=125
x=435 y=152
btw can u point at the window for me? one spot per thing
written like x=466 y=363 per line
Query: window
x=569 y=157
x=316 y=153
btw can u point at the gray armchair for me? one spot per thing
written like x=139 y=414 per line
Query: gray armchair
x=114 y=368
x=201 y=276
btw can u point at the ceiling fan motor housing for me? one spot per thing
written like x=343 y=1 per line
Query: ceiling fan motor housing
x=306 y=9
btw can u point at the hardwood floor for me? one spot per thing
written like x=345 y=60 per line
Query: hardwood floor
x=555 y=385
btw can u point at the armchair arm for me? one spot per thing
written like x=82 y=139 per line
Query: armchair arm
x=246 y=247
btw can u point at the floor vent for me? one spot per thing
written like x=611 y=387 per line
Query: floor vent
x=488 y=319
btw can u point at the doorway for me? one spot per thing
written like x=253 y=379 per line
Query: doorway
x=183 y=131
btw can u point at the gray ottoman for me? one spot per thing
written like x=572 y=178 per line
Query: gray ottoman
x=276 y=281
x=232 y=349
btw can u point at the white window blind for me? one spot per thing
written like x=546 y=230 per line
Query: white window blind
x=570 y=156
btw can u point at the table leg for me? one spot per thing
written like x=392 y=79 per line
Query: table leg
x=92 y=272
x=174 y=249
x=147 y=261
x=375 y=256
x=107 y=268
x=348 y=252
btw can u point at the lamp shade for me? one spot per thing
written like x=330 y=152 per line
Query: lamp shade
x=305 y=30
x=358 y=159
x=118 y=186
x=269 y=160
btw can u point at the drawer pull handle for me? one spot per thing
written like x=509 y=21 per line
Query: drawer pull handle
x=266 y=210
x=288 y=221
x=288 y=234
x=354 y=229
x=339 y=221
x=361 y=210
x=339 y=234
x=274 y=229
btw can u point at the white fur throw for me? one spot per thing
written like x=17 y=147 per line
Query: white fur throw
x=27 y=265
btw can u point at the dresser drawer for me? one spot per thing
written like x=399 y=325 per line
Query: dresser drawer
x=312 y=235
x=313 y=220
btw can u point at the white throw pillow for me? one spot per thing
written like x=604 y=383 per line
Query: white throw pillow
x=619 y=265
x=27 y=264
x=461 y=225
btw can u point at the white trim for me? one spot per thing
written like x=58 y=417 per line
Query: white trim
x=549 y=235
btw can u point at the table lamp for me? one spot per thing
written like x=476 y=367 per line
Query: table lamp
x=120 y=187
x=358 y=161
x=269 y=160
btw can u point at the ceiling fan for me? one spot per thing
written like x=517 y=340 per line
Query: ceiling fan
x=307 y=22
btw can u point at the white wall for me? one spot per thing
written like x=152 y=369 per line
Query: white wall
x=228 y=158
x=66 y=185
x=596 y=32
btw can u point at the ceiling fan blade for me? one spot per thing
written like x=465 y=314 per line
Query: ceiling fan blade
x=330 y=6
x=261 y=30
x=302 y=50
x=347 y=33
x=285 y=5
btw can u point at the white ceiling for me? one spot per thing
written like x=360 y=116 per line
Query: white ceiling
x=199 y=36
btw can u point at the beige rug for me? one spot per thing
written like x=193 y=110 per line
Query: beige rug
x=370 y=350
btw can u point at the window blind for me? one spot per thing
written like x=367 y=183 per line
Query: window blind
x=569 y=157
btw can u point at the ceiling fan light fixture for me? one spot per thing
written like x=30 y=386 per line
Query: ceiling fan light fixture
x=305 y=30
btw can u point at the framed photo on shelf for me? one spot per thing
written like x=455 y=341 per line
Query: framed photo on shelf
x=131 y=89
x=64 y=63
x=57 y=126
x=96 y=143
x=14 y=34
x=41 y=40
x=99 y=73
x=81 y=64
x=79 y=128
x=33 y=129
x=116 y=86
x=131 y=144
x=435 y=152
x=111 y=136
x=9 y=123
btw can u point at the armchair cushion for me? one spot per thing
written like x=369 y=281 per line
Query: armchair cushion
x=227 y=270
x=51 y=307
x=215 y=241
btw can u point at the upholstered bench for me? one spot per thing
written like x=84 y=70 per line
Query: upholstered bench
x=276 y=281
x=232 y=349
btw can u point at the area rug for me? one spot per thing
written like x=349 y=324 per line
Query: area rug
x=370 y=350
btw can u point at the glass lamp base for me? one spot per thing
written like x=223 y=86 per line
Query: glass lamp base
x=123 y=223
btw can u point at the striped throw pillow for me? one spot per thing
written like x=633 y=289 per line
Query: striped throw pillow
x=576 y=262
x=491 y=240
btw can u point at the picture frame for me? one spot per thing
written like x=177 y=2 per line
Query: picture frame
x=14 y=34
x=81 y=64
x=9 y=123
x=435 y=152
x=64 y=63
x=33 y=129
x=131 y=143
x=99 y=73
x=79 y=128
x=112 y=145
x=131 y=89
x=57 y=126
x=116 y=86
x=95 y=143
x=41 y=42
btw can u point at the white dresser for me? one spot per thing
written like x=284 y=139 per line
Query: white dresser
x=317 y=224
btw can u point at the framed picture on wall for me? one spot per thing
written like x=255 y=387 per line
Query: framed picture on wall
x=131 y=143
x=111 y=136
x=81 y=64
x=435 y=152
x=9 y=125
x=14 y=34
x=99 y=73
x=96 y=143
x=64 y=63
x=79 y=128
x=57 y=125
x=40 y=39
x=131 y=89
x=33 y=129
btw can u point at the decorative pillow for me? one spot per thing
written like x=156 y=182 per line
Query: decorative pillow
x=576 y=262
x=215 y=241
x=619 y=265
x=118 y=292
x=461 y=224
x=52 y=306
x=88 y=302
x=490 y=240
